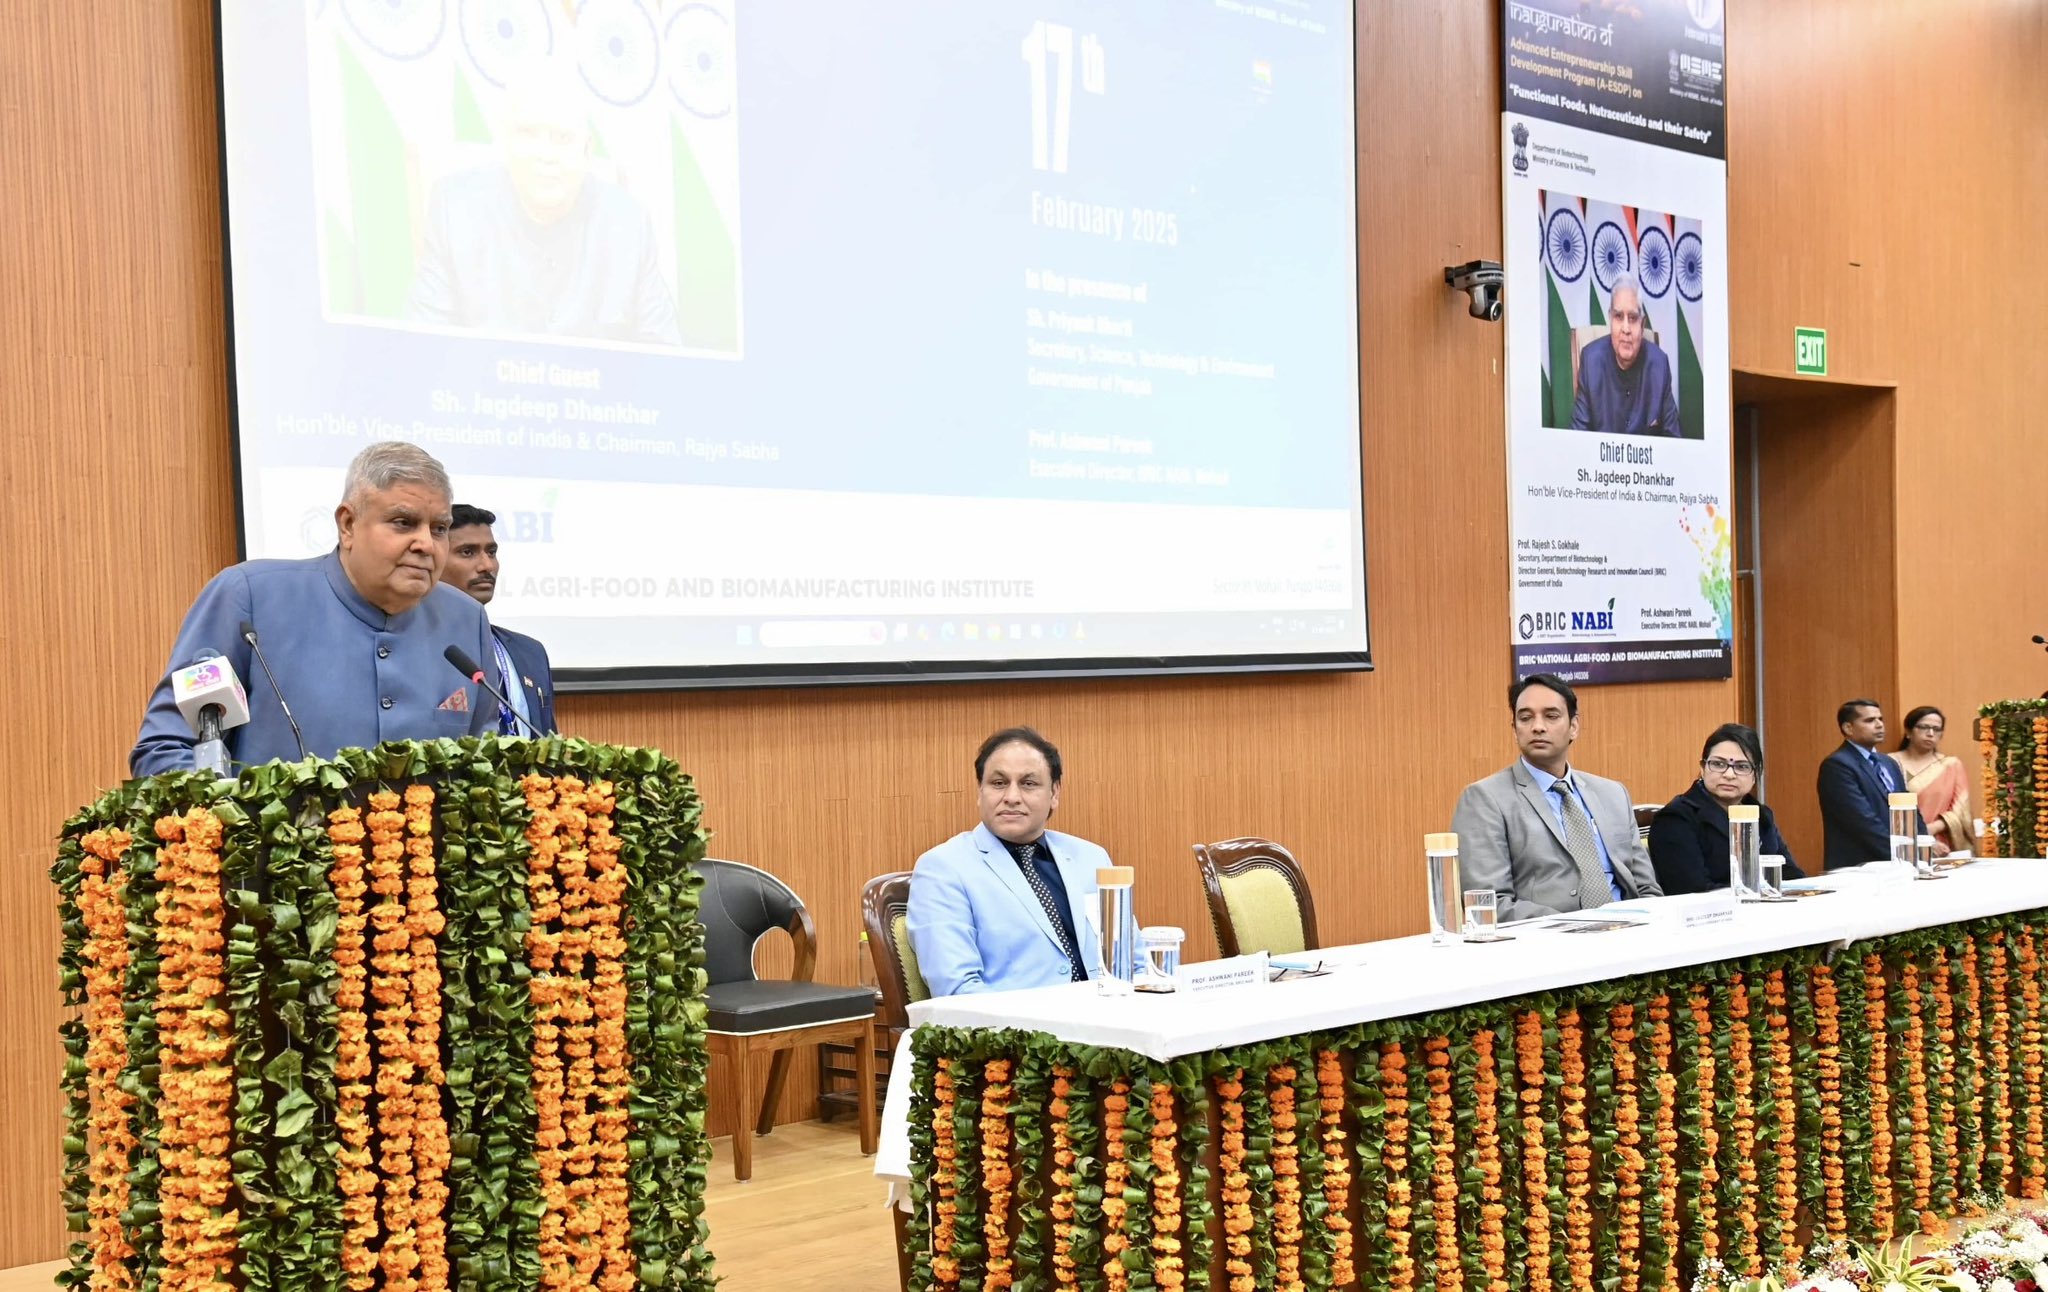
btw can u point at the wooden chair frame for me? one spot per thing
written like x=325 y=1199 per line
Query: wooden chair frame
x=1232 y=857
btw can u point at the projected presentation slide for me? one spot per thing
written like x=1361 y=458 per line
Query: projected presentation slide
x=795 y=340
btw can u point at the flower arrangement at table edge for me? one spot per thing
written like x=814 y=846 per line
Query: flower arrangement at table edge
x=259 y=852
x=2007 y=1253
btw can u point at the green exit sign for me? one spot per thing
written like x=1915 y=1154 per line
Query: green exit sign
x=1812 y=358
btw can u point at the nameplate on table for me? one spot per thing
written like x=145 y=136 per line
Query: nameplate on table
x=1704 y=910
x=1221 y=975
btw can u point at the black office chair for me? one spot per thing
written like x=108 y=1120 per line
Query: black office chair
x=740 y=905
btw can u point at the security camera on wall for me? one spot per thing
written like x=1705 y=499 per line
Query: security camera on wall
x=1482 y=280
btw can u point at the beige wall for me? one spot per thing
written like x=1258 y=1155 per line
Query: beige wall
x=114 y=368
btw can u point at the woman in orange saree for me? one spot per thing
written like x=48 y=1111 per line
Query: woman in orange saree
x=1939 y=779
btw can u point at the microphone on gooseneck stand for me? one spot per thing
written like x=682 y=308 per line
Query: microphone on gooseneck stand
x=211 y=697
x=249 y=635
x=472 y=670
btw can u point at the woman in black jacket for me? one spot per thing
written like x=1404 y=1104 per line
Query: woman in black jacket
x=1689 y=838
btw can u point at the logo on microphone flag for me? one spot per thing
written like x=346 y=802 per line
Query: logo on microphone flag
x=199 y=677
x=457 y=701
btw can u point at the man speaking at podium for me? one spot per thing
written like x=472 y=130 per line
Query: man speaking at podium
x=357 y=637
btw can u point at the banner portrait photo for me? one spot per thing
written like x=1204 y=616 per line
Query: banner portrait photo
x=1614 y=194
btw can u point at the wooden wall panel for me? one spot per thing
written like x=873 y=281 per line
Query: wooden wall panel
x=1887 y=183
x=122 y=505
x=112 y=358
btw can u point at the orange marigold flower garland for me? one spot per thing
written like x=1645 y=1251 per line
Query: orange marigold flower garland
x=1116 y=1173
x=1578 y=1150
x=1443 y=1134
x=614 y=1067
x=391 y=987
x=1061 y=1204
x=582 y=1075
x=1988 y=742
x=1168 y=1266
x=2040 y=803
x=1666 y=1084
x=1238 y=1220
x=195 y=1080
x=1493 y=1251
x=352 y=1059
x=1876 y=1013
x=1286 y=1159
x=1628 y=1156
x=996 y=1176
x=1969 y=1164
x=1786 y=1250
x=1535 y=1153
x=432 y=1153
x=110 y=1128
x=2033 y=1168
x=1998 y=1152
x=1742 y=1195
x=945 y=1157
x=1708 y=1142
x=1942 y=1092
x=1336 y=1166
x=1913 y=1060
x=1394 y=1157
x=1834 y=1217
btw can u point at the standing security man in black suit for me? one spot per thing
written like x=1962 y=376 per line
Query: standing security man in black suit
x=1855 y=782
x=520 y=663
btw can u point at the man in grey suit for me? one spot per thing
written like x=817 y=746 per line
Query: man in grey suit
x=1552 y=837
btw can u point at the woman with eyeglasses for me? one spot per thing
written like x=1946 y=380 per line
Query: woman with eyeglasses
x=1938 y=778
x=1689 y=838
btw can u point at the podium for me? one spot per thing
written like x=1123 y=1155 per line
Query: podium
x=416 y=1017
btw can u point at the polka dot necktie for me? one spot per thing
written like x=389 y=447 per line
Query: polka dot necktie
x=1025 y=854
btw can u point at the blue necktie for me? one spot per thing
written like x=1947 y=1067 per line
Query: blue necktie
x=508 y=722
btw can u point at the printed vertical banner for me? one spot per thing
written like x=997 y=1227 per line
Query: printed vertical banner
x=1614 y=198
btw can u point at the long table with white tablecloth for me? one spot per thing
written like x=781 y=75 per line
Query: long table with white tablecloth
x=1562 y=1107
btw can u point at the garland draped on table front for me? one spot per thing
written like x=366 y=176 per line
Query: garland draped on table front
x=1620 y=1135
x=421 y=1017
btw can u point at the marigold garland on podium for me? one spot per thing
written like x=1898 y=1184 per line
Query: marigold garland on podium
x=423 y=1016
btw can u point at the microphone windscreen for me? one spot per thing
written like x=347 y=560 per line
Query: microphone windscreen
x=248 y=631
x=460 y=659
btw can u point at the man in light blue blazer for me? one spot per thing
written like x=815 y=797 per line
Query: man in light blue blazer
x=1008 y=904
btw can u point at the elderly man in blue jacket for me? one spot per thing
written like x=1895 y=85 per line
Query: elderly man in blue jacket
x=1624 y=381
x=1008 y=904
x=357 y=636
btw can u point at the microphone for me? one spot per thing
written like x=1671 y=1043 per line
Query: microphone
x=210 y=696
x=470 y=669
x=249 y=635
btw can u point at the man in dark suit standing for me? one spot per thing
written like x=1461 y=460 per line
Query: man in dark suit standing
x=521 y=663
x=1855 y=782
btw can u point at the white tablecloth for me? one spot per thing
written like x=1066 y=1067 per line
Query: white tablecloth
x=1404 y=976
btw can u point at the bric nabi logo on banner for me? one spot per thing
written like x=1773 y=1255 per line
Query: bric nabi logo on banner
x=1591 y=620
x=1521 y=134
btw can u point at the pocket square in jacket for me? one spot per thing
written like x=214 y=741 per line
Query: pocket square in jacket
x=457 y=701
